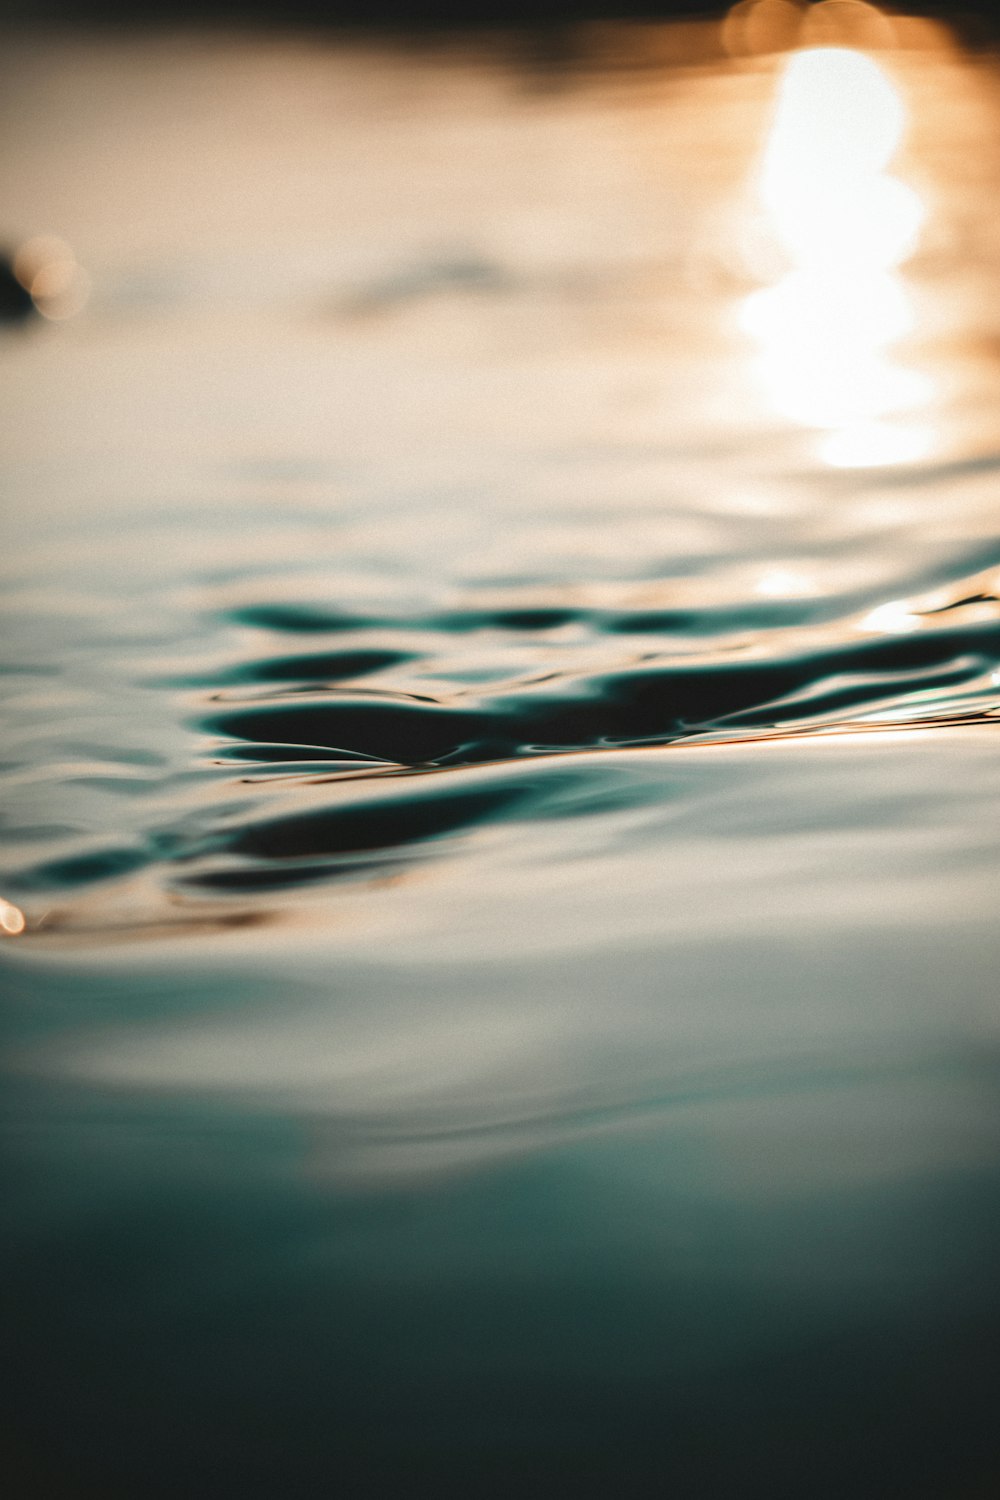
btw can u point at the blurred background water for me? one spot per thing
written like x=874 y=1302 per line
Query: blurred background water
x=501 y=664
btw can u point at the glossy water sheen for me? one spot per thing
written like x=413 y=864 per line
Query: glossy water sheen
x=505 y=813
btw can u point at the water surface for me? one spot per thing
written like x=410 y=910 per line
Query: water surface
x=499 y=774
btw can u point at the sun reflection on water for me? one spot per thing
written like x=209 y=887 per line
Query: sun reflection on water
x=12 y=920
x=826 y=331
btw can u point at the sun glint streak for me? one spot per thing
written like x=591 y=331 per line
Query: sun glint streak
x=825 y=331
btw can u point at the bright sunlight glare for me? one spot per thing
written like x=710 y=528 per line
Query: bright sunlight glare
x=826 y=329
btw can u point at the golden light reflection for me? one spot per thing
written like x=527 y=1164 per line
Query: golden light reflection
x=48 y=269
x=895 y=617
x=756 y=27
x=785 y=583
x=12 y=919
x=826 y=330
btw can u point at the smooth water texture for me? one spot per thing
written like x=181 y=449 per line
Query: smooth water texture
x=501 y=666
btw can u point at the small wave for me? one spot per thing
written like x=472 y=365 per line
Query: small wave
x=639 y=704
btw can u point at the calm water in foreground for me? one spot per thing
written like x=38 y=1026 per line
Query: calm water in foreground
x=501 y=665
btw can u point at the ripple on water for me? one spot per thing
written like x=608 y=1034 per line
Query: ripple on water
x=819 y=688
x=384 y=737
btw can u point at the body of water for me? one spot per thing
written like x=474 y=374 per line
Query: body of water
x=500 y=840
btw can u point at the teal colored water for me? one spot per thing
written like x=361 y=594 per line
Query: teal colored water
x=501 y=669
